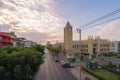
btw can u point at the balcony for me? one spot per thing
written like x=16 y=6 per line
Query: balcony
x=4 y=45
x=5 y=40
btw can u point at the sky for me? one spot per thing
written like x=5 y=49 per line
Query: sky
x=44 y=20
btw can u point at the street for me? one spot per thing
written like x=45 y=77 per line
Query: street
x=51 y=70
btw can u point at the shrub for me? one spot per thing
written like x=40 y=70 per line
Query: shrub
x=92 y=73
x=86 y=78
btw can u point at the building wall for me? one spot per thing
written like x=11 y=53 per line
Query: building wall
x=104 y=46
x=76 y=46
x=118 y=46
x=20 y=41
x=13 y=39
x=68 y=38
x=5 y=39
x=114 y=46
x=89 y=46
x=27 y=43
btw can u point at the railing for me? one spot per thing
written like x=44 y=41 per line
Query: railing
x=5 y=45
x=5 y=40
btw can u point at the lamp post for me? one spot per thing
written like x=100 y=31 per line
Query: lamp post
x=80 y=65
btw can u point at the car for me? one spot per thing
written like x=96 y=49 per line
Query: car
x=56 y=60
x=67 y=65
x=118 y=56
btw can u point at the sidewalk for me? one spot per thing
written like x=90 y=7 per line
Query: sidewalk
x=76 y=71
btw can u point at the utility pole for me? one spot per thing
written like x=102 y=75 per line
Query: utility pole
x=80 y=65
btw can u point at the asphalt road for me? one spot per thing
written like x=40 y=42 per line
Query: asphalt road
x=52 y=70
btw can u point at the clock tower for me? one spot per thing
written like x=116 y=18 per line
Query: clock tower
x=68 y=34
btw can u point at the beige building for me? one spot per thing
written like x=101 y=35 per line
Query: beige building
x=89 y=46
x=95 y=45
x=68 y=35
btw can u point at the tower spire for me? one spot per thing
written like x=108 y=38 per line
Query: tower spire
x=68 y=24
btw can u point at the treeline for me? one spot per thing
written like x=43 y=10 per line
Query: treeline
x=111 y=54
x=55 y=50
x=18 y=63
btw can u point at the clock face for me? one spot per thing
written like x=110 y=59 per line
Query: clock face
x=69 y=29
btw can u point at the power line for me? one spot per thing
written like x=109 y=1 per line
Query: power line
x=102 y=23
x=105 y=16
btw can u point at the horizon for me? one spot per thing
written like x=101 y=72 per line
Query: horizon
x=44 y=20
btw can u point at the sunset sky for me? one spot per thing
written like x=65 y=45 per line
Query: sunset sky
x=44 y=20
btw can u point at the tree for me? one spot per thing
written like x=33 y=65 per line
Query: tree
x=56 y=50
x=26 y=72
x=20 y=63
x=38 y=48
x=2 y=72
x=18 y=72
x=8 y=76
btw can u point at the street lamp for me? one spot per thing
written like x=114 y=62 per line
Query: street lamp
x=80 y=65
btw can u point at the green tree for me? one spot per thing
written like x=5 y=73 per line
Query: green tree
x=38 y=48
x=56 y=50
x=8 y=76
x=20 y=63
x=26 y=72
x=18 y=72
x=2 y=72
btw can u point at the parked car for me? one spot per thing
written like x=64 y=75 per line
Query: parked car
x=56 y=60
x=67 y=65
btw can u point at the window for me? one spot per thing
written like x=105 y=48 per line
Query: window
x=77 y=46
x=73 y=46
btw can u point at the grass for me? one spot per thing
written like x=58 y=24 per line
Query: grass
x=107 y=75
x=103 y=74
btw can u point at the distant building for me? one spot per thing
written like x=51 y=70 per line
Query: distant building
x=5 y=39
x=20 y=41
x=25 y=43
x=33 y=43
x=95 y=45
x=48 y=44
x=13 y=39
x=68 y=36
x=57 y=44
x=114 y=47
x=89 y=46
x=119 y=46
x=28 y=43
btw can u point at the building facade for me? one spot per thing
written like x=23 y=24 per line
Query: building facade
x=118 y=46
x=95 y=45
x=20 y=41
x=68 y=35
x=5 y=39
x=88 y=46
x=23 y=42
x=28 y=43
x=114 y=46
x=13 y=39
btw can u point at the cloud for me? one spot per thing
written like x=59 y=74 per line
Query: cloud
x=110 y=30
x=26 y=16
x=39 y=37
